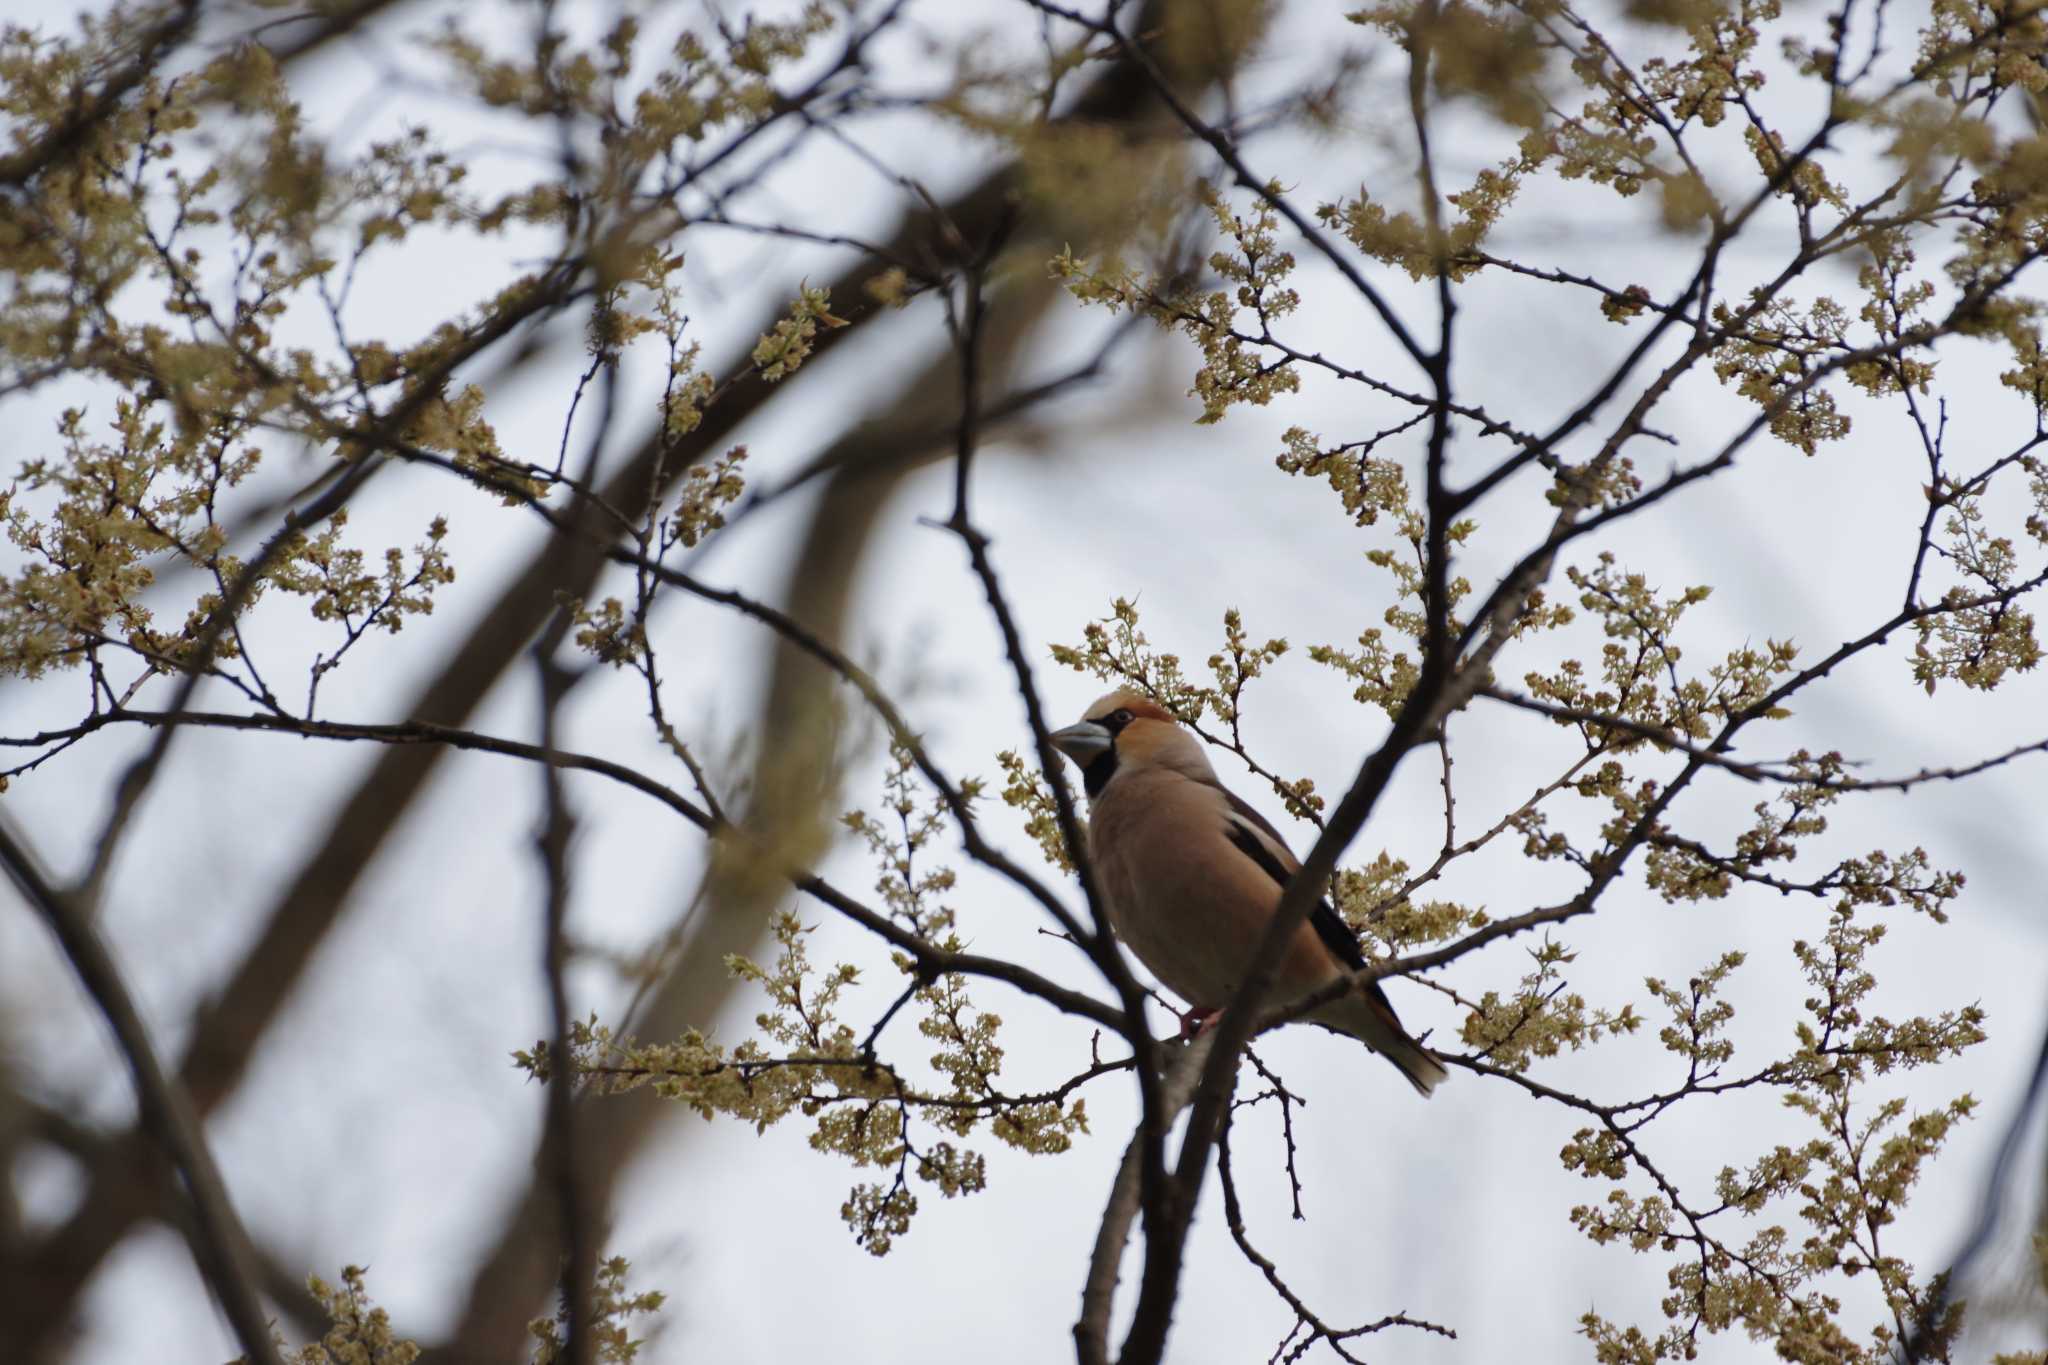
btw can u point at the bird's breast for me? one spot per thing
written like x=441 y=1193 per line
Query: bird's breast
x=1187 y=903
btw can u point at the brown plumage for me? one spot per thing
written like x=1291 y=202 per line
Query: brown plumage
x=1192 y=875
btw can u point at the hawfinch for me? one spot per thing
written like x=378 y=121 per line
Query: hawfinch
x=1190 y=875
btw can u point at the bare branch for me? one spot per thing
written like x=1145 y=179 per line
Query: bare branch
x=221 y=1245
x=579 y=1267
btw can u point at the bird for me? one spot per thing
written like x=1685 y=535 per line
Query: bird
x=1190 y=876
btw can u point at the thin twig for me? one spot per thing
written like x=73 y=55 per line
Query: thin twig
x=937 y=960
x=1098 y=942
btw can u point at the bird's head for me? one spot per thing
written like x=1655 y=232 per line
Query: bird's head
x=1125 y=728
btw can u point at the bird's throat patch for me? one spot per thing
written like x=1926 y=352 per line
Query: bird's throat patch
x=1096 y=775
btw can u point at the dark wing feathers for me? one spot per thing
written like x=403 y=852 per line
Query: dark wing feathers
x=1337 y=934
x=1252 y=817
x=1329 y=925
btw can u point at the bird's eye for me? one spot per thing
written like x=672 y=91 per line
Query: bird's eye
x=1120 y=717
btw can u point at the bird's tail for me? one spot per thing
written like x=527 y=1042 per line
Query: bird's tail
x=1418 y=1064
x=1369 y=1018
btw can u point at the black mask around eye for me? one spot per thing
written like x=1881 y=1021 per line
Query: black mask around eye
x=1096 y=775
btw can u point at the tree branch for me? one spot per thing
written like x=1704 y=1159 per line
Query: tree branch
x=220 y=1244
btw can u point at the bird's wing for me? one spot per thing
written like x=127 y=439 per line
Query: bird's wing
x=1260 y=842
x=1250 y=833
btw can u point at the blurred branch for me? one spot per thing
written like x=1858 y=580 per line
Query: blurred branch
x=337 y=22
x=425 y=734
x=556 y=286
x=867 y=465
x=220 y=1244
x=1997 y=1199
x=1141 y=60
x=1015 y=403
x=577 y=1214
x=311 y=902
x=91 y=110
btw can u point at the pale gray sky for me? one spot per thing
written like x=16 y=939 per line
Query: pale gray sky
x=383 y=1124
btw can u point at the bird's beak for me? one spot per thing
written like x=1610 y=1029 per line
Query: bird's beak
x=1083 y=742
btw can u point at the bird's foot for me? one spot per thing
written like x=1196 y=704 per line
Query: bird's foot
x=1197 y=1022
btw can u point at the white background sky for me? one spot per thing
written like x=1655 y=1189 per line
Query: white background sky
x=383 y=1125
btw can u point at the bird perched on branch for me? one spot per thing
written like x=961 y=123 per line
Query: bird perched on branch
x=1192 y=875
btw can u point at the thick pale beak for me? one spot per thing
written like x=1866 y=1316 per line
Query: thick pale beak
x=1083 y=742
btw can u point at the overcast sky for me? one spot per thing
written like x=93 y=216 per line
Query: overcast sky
x=383 y=1125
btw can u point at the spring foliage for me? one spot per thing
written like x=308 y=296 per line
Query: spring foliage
x=181 y=252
